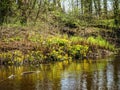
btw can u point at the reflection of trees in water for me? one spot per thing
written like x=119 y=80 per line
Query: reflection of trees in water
x=83 y=75
x=110 y=76
x=116 y=66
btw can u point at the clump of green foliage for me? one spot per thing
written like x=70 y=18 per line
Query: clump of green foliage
x=100 y=42
x=12 y=57
x=78 y=51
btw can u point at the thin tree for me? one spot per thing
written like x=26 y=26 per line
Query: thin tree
x=116 y=12
x=105 y=8
x=99 y=7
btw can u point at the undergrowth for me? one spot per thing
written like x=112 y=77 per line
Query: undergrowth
x=54 y=49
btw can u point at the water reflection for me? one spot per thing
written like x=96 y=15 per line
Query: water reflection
x=78 y=75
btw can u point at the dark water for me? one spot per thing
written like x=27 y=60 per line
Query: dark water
x=101 y=74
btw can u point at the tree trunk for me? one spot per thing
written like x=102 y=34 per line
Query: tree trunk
x=116 y=12
x=105 y=8
x=82 y=5
x=95 y=6
x=99 y=8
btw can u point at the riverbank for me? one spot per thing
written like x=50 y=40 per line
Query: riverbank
x=30 y=47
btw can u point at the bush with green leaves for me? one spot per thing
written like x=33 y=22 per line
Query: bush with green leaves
x=78 y=51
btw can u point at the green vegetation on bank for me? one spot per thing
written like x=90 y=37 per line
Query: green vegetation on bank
x=52 y=49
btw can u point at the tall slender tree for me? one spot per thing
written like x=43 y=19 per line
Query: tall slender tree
x=99 y=7
x=105 y=8
x=95 y=7
x=82 y=6
x=116 y=12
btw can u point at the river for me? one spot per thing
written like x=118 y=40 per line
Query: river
x=102 y=74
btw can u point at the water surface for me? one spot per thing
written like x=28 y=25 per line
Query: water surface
x=103 y=74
